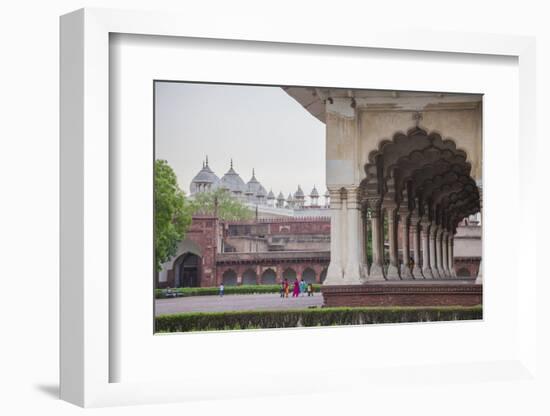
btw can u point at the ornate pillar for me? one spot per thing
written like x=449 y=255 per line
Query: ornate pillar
x=393 y=268
x=405 y=249
x=376 y=272
x=433 y=250
x=425 y=234
x=364 y=239
x=417 y=271
x=335 y=268
x=439 y=251
x=452 y=255
x=353 y=269
x=445 y=247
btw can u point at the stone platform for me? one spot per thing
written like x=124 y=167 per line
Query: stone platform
x=405 y=293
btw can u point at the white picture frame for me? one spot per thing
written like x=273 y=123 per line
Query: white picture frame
x=86 y=306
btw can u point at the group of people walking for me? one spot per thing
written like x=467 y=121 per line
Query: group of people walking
x=300 y=287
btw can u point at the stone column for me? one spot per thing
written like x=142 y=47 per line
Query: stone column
x=445 y=247
x=452 y=255
x=376 y=272
x=479 y=278
x=433 y=250
x=417 y=271
x=335 y=268
x=404 y=222
x=425 y=234
x=364 y=239
x=439 y=251
x=353 y=269
x=393 y=267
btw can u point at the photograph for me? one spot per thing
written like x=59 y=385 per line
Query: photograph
x=290 y=206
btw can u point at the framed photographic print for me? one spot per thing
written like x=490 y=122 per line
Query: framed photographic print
x=271 y=199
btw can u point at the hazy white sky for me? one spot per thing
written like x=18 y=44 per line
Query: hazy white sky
x=259 y=127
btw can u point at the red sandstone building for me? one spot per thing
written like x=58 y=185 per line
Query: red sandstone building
x=263 y=251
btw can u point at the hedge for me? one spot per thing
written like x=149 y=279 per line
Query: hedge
x=209 y=321
x=228 y=290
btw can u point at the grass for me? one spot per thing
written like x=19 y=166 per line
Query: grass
x=212 y=321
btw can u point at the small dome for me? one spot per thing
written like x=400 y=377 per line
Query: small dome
x=314 y=193
x=280 y=197
x=261 y=193
x=299 y=194
x=232 y=181
x=205 y=179
x=253 y=186
x=290 y=199
x=270 y=195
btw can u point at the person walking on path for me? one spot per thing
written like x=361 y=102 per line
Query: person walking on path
x=310 y=289
x=282 y=290
x=303 y=287
x=221 y=289
x=296 y=290
x=286 y=287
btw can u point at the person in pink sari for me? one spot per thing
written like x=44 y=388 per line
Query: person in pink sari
x=296 y=289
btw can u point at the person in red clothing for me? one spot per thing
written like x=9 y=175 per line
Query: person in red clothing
x=296 y=290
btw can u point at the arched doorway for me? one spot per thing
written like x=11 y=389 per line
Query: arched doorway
x=269 y=277
x=187 y=270
x=308 y=275
x=249 y=277
x=229 y=278
x=289 y=274
x=463 y=272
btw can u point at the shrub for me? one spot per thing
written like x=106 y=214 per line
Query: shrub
x=229 y=290
x=205 y=321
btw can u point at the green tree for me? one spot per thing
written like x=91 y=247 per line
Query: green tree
x=220 y=202
x=173 y=213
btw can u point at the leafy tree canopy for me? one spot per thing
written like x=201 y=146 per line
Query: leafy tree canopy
x=173 y=213
x=220 y=202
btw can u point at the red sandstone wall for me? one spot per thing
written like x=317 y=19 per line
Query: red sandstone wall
x=203 y=232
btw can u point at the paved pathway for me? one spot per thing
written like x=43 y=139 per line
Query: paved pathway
x=267 y=301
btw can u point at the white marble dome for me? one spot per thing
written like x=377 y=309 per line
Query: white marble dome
x=232 y=182
x=205 y=180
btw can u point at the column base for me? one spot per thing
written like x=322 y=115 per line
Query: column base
x=436 y=274
x=376 y=274
x=392 y=273
x=406 y=273
x=479 y=278
x=335 y=275
x=417 y=273
x=427 y=273
x=352 y=275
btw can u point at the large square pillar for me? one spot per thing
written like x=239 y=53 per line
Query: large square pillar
x=354 y=249
x=335 y=271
